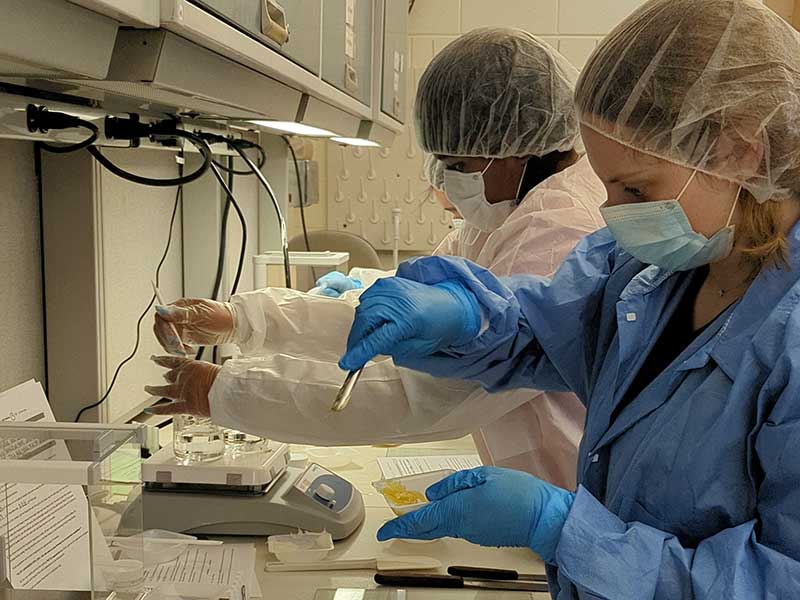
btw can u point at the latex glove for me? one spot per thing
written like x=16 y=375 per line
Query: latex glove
x=406 y=319
x=190 y=382
x=334 y=284
x=198 y=321
x=491 y=507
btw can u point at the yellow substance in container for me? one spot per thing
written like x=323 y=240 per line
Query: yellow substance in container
x=400 y=496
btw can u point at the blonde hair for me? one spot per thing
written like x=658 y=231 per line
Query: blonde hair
x=760 y=228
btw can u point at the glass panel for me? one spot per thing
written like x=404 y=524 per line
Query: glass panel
x=68 y=494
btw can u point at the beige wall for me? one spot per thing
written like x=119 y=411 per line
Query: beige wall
x=785 y=8
x=21 y=327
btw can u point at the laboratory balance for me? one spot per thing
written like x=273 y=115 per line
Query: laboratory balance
x=254 y=494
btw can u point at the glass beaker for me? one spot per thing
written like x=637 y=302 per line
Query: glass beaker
x=238 y=442
x=197 y=439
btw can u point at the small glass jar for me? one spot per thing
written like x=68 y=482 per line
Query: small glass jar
x=197 y=439
x=238 y=442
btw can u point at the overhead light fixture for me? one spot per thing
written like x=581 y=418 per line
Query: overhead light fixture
x=349 y=141
x=294 y=128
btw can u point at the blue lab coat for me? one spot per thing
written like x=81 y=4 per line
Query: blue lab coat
x=693 y=489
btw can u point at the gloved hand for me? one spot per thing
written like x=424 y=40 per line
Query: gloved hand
x=491 y=507
x=334 y=284
x=190 y=382
x=404 y=319
x=198 y=321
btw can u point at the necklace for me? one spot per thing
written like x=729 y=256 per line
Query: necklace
x=722 y=292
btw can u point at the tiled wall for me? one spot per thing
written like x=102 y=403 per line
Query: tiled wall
x=363 y=187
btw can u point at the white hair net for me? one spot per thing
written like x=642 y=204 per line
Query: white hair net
x=433 y=169
x=497 y=93
x=709 y=84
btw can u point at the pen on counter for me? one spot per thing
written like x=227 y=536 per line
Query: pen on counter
x=161 y=302
x=495 y=574
x=449 y=581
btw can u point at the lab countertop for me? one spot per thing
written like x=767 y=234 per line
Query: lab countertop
x=362 y=471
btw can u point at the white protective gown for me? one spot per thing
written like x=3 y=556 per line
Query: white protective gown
x=284 y=387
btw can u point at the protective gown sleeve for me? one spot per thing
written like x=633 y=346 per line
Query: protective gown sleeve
x=605 y=557
x=538 y=332
x=283 y=320
x=285 y=384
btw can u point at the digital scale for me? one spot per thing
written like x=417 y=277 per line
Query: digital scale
x=254 y=494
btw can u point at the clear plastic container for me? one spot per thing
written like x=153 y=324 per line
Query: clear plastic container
x=238 y=442
x=406 y=487
x=157 y=546
x=197 y=439
x=333 y=458
x=124 y=576
x=300 y=547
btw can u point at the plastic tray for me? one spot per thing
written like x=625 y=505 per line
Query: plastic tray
x=301 y=547
x=413 y=483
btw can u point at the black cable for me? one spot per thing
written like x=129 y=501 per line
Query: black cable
x=262 y=159
x=178 y=203
x=222 y=243
x=243 y=249
x=239 y=146
x=37 y=167
x=40 y=119
x=302 y=198
x=197 y=142
x=94 y=133
x=299 y=191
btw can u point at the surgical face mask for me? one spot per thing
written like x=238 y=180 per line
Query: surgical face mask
x=659 y=233
x=466 y=191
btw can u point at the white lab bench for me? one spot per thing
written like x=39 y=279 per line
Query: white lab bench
x=362 y=471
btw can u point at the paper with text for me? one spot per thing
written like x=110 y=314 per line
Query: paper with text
x=229 y=564
x=48 y=524
x=413 y=465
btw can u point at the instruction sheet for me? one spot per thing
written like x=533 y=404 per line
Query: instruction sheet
x=230 y=564
x=413 y=465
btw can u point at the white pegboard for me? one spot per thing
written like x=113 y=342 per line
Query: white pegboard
x=366 y=184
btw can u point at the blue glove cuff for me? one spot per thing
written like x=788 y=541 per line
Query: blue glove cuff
x=546 y=533
x=471 y=311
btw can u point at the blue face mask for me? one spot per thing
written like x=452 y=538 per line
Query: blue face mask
x=659 y=233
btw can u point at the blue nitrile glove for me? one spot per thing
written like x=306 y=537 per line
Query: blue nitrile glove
x=334 y=284
x=491 y=507
x=402 y=319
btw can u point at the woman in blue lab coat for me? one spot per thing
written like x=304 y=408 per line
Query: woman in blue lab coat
x=678 y=326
